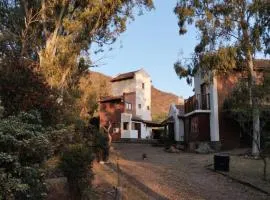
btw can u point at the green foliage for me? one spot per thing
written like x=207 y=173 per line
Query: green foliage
x=60 y=137
x=185 y=70
x=76 y=166
x=24 y=90
x=238 y=107
x=225 y=22
x=1 y=109
x=230 y=32
x=101 y=142
x=23 y=149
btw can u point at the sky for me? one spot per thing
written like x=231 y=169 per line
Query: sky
x=152 y=42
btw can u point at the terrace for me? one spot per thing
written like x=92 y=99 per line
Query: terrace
x=197 y=102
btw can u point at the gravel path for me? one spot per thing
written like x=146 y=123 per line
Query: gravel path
x=177 y=176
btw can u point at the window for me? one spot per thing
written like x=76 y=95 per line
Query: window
x=148 y=107
x=128 y=106
x=142 y=85
x=139 y=106
x=126 y=126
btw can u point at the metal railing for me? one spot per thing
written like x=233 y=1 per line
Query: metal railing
x=197 y=102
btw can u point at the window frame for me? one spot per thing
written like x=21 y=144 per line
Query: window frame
x=128 y=106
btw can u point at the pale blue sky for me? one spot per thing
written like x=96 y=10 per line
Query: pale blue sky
x=152 y=42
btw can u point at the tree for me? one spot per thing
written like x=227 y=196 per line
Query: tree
x=54 y=36
x=237 y=106
x=235 y=30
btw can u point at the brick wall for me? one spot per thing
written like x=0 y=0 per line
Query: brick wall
x=229 y=129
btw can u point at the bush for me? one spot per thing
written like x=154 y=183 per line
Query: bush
x=60 y=137
x=76 y=165
x=23 y=149
x=101 y=142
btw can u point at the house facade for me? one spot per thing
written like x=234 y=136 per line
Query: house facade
x=205 y=119
x=127 y=113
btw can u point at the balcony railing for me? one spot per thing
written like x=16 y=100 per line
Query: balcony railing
x=197 y=102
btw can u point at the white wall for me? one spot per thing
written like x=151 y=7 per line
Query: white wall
x=178 y=123
x=214 y=121
x=145 y=131
x=125 y=117
x=143 y=96
x=133 y=134
x=124 y=86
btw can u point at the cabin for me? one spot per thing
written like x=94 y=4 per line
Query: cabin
x=127 y=113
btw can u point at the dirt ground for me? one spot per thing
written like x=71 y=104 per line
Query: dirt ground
x=167 y=176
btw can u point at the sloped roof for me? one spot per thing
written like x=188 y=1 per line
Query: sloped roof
x=125 y=76
x=137 y=118
x=111 y=98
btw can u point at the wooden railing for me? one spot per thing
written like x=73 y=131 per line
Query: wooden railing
x=197 y=102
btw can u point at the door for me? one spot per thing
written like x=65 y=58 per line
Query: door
x=171 y=131
x=138 y=128
x=187 y=130
x=203 y=98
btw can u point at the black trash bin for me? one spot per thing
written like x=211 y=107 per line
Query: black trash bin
x=222 y=162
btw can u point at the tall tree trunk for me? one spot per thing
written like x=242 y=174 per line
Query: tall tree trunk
x=254 y=105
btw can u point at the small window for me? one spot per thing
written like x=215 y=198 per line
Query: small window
x=125 y=125
x=148 y=107
x=128 y=106
x=140 y=106
x=142 y=85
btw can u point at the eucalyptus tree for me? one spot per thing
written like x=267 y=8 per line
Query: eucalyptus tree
x=231 y=33
x=54 y=36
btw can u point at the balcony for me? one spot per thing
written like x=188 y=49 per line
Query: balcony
x=197 y=102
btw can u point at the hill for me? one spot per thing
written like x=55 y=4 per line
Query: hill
x=161 y=100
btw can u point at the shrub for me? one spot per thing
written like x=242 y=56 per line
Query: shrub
x=60 y=137
x=76 y=165
x=101 y=142
x=23 y=149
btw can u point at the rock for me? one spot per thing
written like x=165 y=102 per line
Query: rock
x=172 y=149
x=180 y=147
x=204 y=148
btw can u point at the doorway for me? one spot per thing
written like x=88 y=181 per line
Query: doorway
x=138 y=128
